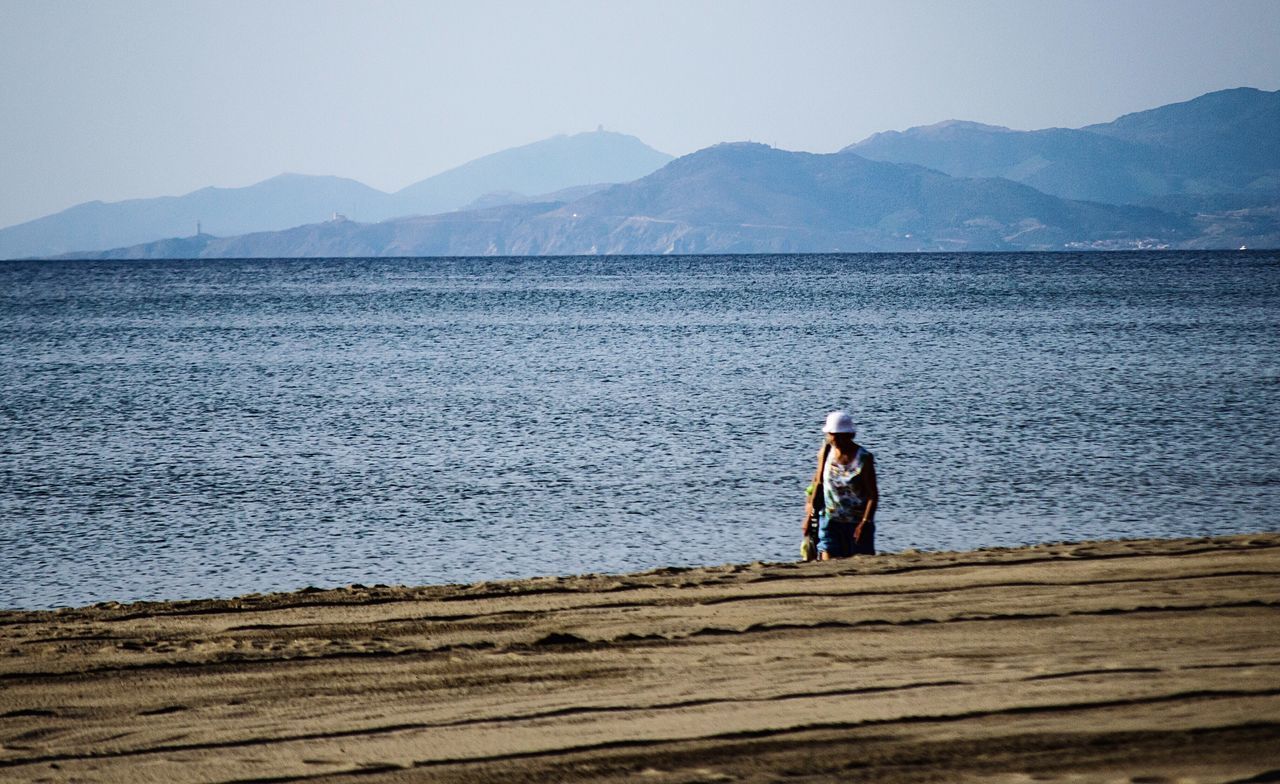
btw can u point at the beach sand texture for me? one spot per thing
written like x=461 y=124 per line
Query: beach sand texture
x=1131 y=661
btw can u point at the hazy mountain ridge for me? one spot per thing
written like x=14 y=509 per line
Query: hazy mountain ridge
x=792 y=201
x=547 y=166
x=1202 y=173
x=1062 y=162
x=1235 y=128
x=739 y=198
x=1222 y=142
x=585 y=159
x=287 y=199
x=503 y=198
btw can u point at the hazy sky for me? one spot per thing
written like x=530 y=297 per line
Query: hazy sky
x=112 y=100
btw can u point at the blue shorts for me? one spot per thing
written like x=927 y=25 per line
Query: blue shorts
x=835 y=538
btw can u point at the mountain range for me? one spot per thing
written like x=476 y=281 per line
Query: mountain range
x=1203 y=173
x=518 y=174
x=731 y=198
x=1222 y=142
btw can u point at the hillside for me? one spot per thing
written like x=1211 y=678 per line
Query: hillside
x=511 y=176
x=741 y=198
x=1229 y=137
x=286 y=200
x=1219 y=143
x=542 y=167
x=1214 y=161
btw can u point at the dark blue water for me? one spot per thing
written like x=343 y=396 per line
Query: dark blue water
x=183 y=429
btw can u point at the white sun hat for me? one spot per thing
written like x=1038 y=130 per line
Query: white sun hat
x=839 y=422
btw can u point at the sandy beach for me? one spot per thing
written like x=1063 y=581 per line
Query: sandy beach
x=1128 y=661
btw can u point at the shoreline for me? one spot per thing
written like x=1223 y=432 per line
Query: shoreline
x=1090 y=661
x=360 y=593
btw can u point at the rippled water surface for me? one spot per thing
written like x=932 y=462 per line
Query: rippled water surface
x=183 y=429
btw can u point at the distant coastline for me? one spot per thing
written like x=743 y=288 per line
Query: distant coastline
x=1189 y=175
x=1118 y=252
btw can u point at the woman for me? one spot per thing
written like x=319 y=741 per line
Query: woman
x=847 y=477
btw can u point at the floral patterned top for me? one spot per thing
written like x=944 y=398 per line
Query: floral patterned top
x=842 y=487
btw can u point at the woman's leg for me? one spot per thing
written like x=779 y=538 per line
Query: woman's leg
x=837 y=541
x=826 y=537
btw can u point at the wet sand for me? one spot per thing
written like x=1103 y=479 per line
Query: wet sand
x=1132 y=661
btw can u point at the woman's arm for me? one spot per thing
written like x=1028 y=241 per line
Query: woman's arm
x=871 y=490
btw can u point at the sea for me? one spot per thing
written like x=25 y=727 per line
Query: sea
x=184 y=429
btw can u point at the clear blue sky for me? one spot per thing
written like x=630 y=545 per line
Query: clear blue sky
x=112 y=100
